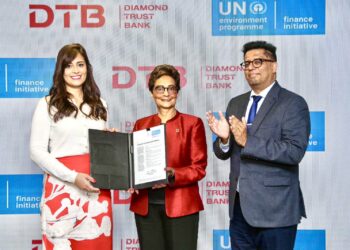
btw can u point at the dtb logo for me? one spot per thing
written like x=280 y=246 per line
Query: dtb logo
x=43 y=16
x=36 y=244
x=125 y=77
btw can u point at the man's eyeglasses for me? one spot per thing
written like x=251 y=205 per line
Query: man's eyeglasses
x=256 y=63
x=160 y=89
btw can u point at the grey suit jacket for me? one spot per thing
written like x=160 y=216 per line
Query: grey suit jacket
x=268 y=165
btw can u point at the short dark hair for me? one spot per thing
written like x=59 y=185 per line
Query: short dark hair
x=269 y=48
x=164 y=70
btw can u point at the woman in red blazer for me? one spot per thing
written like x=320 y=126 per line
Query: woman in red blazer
x=167 y=216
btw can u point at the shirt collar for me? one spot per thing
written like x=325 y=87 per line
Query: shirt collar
x=263 y=93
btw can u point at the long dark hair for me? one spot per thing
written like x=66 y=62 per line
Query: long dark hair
x=59 y=95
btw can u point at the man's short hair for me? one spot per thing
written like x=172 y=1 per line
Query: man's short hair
x=269 y=48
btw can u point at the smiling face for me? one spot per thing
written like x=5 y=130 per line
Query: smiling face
x=164 y=100
x=263 y=76
x=75 y=73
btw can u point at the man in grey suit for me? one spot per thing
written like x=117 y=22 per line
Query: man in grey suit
x=265 y=135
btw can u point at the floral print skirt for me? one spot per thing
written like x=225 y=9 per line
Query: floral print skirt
x=72 y=218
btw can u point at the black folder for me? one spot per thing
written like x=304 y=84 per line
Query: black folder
x=112 y=161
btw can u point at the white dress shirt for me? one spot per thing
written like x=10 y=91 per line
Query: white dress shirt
x=66 y=137
x=263 y=94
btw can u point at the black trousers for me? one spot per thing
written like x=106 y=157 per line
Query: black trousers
x=245 y=237
x=157 y=231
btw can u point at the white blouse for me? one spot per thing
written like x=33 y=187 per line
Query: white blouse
x=66 y=137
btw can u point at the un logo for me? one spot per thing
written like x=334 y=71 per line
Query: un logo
x=258 y=7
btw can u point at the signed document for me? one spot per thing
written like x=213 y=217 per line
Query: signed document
x=123 y=160
x=149 y=155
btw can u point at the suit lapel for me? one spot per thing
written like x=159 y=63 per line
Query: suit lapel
x=270 y=100
x=242 y=105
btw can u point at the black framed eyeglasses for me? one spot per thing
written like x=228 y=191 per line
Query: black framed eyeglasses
x=160 y=89
x=256 y=63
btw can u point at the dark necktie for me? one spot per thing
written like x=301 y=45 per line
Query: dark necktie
x=253 y=108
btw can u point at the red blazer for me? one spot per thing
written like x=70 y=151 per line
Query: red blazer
x=187 y=154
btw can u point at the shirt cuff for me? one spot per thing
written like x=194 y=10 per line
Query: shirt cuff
x=225 y=147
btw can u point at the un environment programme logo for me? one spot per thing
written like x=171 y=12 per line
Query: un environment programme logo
x=25 y=77
x=305 y=239
x=269 y=17
x=317 y=134
x=20 y=194
x=257 y=7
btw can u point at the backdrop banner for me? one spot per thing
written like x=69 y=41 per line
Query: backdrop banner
x=125 y=40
